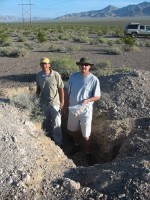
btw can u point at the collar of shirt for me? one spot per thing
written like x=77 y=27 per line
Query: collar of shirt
x=47 y=75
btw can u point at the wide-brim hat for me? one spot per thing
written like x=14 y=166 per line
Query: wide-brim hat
x=45 y=60
x=84 y=61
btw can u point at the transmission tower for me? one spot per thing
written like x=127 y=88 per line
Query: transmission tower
x=26 y=12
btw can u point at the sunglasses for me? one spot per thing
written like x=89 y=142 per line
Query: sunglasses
x=85 y=64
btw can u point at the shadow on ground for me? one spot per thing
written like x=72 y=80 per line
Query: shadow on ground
x=20 y=78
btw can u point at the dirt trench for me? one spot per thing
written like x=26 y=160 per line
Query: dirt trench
x=98 y=146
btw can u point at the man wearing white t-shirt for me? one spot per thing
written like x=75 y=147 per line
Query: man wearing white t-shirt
x=83 y=89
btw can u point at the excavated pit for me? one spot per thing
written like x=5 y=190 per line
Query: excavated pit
x=20 y=97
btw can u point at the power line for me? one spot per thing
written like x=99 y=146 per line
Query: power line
x=25 y=7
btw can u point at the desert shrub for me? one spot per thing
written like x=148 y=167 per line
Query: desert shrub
x=64 y=37
x=84 y=39
x=73 y=48
x=21 y=39
x=101 y=40
x=94 y=42
x=29 y=102
x=29 y=45
x=110 y=70
x=4 y=40
x=5 y=43
x=118 y=32
x=118 y=41
x=147 y=43
x=128 y=40
x=62 y=50
x=32 y=36
x=113 y=51
x=53 y=48
x=123 y=69
x=140 y=44
x=102 y=68
x=56 y=48
x=41 y=36
x=126 y=48
x=26 y=33
x=131 y=48
x=103 y=65
x=64 y=65
x=3 y=36
x=134 y=48
x=110 y=43
x=81 y=39
x=13 y=52
x=75 y=38
x=53 y=38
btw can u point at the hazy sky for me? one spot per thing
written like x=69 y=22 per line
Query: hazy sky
x=56 y=8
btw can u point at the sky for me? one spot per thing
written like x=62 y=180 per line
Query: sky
x=57 y=8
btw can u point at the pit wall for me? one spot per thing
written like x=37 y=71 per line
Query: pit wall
x=107 y=135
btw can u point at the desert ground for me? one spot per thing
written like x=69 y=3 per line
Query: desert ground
x=22 y=70
x=33 y=167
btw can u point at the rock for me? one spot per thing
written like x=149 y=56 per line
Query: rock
x=70 y=184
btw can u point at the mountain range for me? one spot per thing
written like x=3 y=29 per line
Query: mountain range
x=138 y=10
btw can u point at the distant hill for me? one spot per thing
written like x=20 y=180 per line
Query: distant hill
x=138 y=10
x=17 y=19
x=9 y=18
x=141 y=10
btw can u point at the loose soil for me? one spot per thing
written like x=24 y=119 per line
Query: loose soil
x=33 y=167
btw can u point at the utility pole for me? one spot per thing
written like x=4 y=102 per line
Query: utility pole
x=26 y=11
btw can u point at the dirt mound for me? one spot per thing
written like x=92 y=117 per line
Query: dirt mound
x=33 y=167
x=27 y=155
x=123 y=110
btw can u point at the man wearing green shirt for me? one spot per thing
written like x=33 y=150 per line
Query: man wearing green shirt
x=50 y=90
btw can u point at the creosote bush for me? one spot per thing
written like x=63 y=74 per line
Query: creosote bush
x=73 y=48
x=122 y=70
x=41 y=36
x=131 y=48
x=128 y=40
x=110 y=43
x=64 y=65
x=58 y=49
x=30 y=103
x=113 y=51
x=13 y=52
x=4 y=40
x=21 y=39
x=81 y=39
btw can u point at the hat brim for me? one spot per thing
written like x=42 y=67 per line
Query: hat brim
x=80 y=63
x=44 y=63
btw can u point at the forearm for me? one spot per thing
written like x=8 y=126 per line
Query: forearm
x=61 y=96
x=91 y=99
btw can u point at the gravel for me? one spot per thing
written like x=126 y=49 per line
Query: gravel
x=33 y=167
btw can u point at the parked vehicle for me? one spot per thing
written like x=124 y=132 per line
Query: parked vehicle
x=136 y=29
